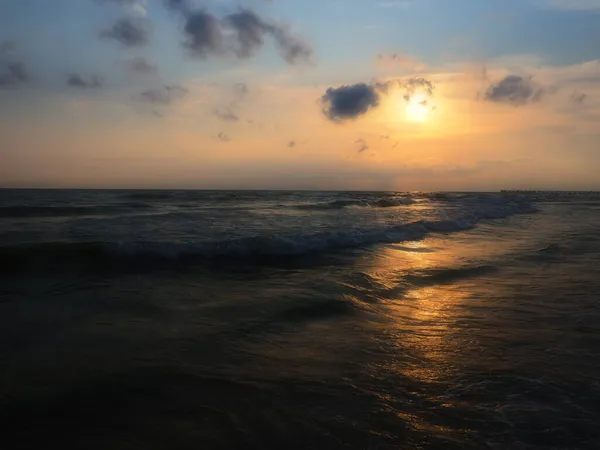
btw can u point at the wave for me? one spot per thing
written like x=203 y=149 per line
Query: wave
x=341 y=204
x=13 y=212
x=45 y=256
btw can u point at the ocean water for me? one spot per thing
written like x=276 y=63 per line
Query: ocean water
x=311 y=320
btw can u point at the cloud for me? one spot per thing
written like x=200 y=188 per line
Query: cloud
x=578 y=97
x=203 y=34
x=363 y=145
x=240 y=91
x=13 y=74
x=223 y=137
x=291 y=48
x=140 y=65
x=130 y=32
x=401 y=60
x=241 y=34
x=514 y=90
x=291 y=144
x=180 y=6
x=415 y=85
x=226 y=114
x=78 y=81
x=350 y=101
x=164 y=95
x=7 y=46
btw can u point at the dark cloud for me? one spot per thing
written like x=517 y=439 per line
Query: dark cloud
x=250 y=34
x=514 y=90
x=242 y=34
x=349 y=102
x=7 y=46
x=165 y=95
x=226 y=114
x=249 y=30
x=203 y=34
x=78 y=81
x=13 y=74
x=291 y=144
x=141 y=65
x=291 y=48
x=130 y=32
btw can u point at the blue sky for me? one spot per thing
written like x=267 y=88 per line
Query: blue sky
x=547 y=41
x=62 y=34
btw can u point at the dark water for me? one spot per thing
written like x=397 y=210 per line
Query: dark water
x=268 y=320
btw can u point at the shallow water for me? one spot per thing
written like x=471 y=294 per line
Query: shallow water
x=186 y=319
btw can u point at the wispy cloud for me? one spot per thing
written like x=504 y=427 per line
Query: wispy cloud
x=164 y=95
x=79 y=81
x=129 y=32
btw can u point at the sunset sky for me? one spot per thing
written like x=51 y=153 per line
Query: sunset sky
x=311 y=94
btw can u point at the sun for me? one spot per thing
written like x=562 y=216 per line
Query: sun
x=417 y=108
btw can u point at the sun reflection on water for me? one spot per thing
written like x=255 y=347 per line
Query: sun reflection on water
x=420 y=315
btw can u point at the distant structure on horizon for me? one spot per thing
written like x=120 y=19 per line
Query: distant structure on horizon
x=550 y=192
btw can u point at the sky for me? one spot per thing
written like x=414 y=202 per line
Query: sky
x=313 y=94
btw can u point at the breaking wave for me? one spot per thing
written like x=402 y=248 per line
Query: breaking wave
x=43 y=256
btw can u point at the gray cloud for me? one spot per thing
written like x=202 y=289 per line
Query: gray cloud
x=181 y=6
x=363 y=145
x=226 y=114
x=203 y=34
x=291 y=48
x=578 y=97
x=352 y=101
x=417 y=84
x=13 y=74
x=242 y=34
x=349 y=101
x=141 y=65
x=514 y=90
x=251 y=31
x=165 y=95
x=7 y=46
x=130 y=32
x=78 y=81
x=12 y=71
x=223 y=137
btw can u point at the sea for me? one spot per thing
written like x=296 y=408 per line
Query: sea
x=182 y=319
